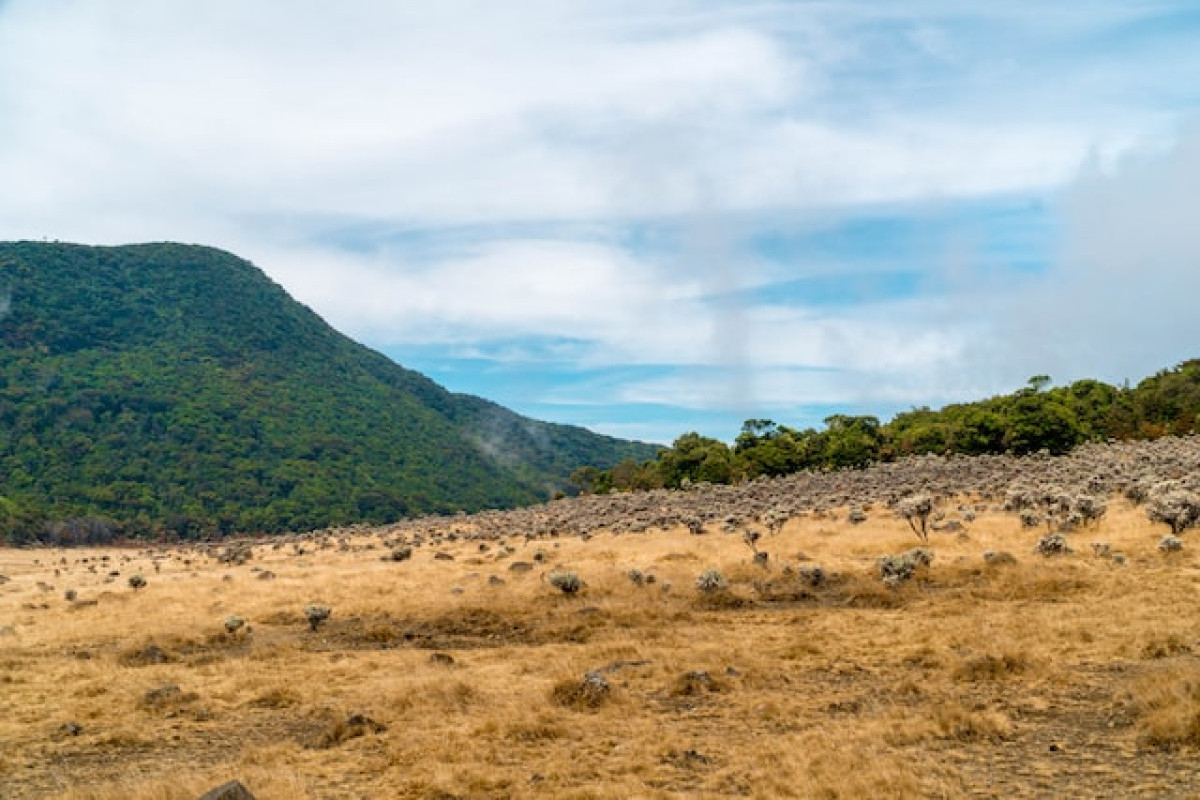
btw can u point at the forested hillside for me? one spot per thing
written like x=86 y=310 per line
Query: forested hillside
x=164 y=389
x=1030 y=420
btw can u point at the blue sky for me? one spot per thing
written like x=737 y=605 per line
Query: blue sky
x=649 y=217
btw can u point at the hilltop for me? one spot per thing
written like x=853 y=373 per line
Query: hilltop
x=167 y=388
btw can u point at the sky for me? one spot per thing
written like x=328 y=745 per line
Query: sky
x=649 y=217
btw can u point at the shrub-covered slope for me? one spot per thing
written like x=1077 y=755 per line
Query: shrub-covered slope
x=1029 y=420
x=172 y=387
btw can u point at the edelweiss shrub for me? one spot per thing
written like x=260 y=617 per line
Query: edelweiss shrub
x=316 y=614
x=814 y=575
x=915 y=509
x=711 y=581
x=1170 y=544
x=565 y=582
x=896 y=569
x=399 y=554
x=1052 y=544
x=1178 y=508
x=1018 y=498
x=1090 y=508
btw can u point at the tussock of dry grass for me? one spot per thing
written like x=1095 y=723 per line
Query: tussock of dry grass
x=466 y=678
x=1167 y=702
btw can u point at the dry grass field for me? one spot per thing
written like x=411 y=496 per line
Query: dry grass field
x=461 y=672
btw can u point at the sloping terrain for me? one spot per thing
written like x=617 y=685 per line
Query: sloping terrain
x=169 y=387
x=452 y=666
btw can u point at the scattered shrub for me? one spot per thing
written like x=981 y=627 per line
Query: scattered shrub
x=316 y=614
x=1090 y=508
x=998 y=558
x=896 y=569
x=399 y=554
x=1170 y=544
x=236 y=554
x=137 y=581
x=71 y=595
x=584 y=695
x=813 y=575
x=916 y=510
x=1052 y=544
x=565 y=582
x=636 y=577
x=233 y=624
x=1178 y=508
x=711 y=581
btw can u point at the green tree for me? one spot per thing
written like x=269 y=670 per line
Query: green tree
x=1037 y=422
x=696 y=459
x=851 y=441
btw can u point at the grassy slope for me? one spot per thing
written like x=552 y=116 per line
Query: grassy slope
x=1053 y=676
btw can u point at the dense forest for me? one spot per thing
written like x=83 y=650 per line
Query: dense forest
x=176 y=391
x=1036 y=418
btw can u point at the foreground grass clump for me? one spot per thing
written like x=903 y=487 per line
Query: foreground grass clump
x=807 y=676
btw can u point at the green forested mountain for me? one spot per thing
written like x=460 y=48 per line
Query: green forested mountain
x=164 y=388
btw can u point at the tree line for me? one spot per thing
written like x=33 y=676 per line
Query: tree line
x=1033 y=419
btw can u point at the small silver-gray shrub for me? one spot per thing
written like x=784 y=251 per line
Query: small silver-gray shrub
x=711 y=581
x=565 y=582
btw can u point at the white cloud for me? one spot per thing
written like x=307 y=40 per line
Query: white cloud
x=505 y=288
x=277 y=130
x=157 y=115
x=1122 y=298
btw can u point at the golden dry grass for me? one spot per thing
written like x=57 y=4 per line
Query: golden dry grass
x=1052 y=675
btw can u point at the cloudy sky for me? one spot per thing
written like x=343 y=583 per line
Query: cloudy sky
x=656 y=216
